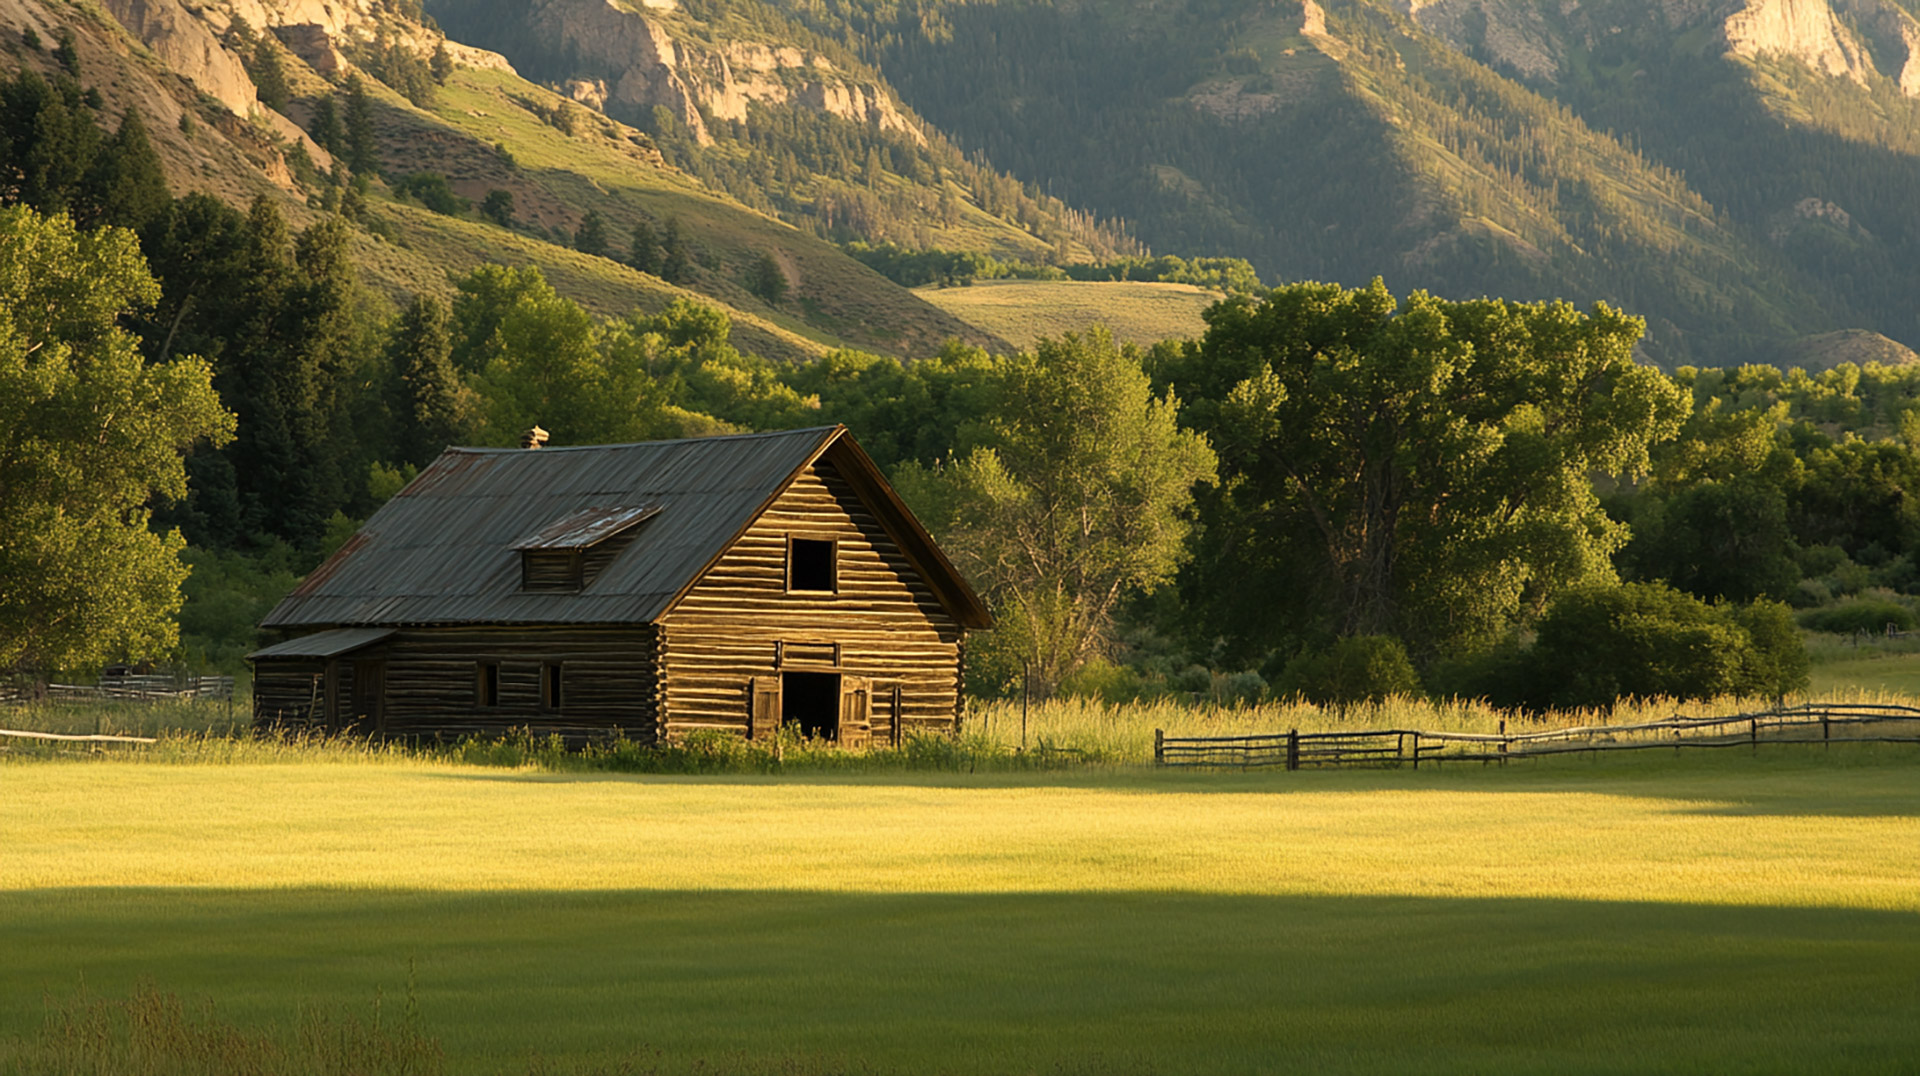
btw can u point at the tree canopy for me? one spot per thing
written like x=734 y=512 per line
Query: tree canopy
x=89 y=432
x=1070 y=499
x=1421 y=472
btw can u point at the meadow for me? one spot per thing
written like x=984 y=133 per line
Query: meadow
x=207 y=903
x=1023 y=311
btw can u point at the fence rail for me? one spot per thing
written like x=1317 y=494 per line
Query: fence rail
x=1809 y=724
x=147 y=688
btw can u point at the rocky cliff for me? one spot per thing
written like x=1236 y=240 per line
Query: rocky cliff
x=1851 y=39
x=627 y=61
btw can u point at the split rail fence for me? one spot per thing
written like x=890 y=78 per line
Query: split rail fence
x=158 y=688
x=1811 y=723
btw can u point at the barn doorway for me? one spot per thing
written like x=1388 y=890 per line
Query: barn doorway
x=810 y=701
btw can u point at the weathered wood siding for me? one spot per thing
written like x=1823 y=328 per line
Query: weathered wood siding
x=886 y=623
x=287 y=694
x=608 y=683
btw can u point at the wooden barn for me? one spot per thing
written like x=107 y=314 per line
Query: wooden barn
x=640 y=590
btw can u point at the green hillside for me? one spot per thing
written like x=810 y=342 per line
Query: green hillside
x=1343 y=141
x=486 y=130
x=1023 y=311
x=785 y=120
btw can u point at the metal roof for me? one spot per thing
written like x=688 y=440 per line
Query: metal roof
x=587 y=528
x=443 y=550
x=325 y=644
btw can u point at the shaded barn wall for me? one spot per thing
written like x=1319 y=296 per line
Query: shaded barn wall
x=287 y=693
x=888 y=624
x=608 y=683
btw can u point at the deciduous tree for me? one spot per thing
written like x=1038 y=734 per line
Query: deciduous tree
x=89 y=434
x=1071 y=496
x=1424 y=473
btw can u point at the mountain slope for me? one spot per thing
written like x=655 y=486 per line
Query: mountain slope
x=486 y=129
x=1345 y=140
x=788 y=121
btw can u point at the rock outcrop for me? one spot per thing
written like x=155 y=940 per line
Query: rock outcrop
x=184 y=43
x=628 y=64
x=1850 y=39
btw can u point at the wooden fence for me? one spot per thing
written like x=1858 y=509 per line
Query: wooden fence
x=1811 y=723
x=148 y=688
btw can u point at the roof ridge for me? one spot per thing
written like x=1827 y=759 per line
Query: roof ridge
x=485 y=451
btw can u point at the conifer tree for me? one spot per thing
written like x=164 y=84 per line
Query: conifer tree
x=325 y=126
x=362 y=144
x=498 y=207
x=644 y=254
x=129 y=188
x=675 y=266
x=768 y=282
x=432 y=401
x=592 y=236
x=48 y=142
x=65 y=53
x=269 y=78
x=441 y=65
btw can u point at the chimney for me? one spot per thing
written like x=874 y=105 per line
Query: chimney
x=533 y=438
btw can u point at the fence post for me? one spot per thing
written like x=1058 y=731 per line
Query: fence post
x=1826 y=728
x=1293 y=749
x=1416 y=749
x=1159 y=747
x=1503 y=741
x=1753 y=734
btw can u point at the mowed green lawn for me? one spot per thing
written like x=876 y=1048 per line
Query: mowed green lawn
x=1717 y=912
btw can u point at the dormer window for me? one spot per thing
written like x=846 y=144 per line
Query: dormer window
x=543 y=569
x=810 y=565
x=568 y=554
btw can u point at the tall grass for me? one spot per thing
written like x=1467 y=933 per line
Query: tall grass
x=997 y=736
x=153 y=1033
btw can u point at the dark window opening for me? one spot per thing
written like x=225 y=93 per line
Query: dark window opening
x=550 y=686
x=810 y=564
x=486 y=685
x=811 y=703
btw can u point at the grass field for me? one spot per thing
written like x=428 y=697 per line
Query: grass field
x=1731 y=913
x=1022 y=311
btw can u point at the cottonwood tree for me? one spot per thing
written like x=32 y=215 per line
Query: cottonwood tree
x=1423 y=472
x=89 y=434
x=1071 y=497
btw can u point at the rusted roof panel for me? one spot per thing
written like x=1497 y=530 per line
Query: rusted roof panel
x=442 y=551
x=586 y=528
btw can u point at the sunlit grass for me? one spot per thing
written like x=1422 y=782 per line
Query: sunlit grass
x=1022 y=311
x=1751 y=911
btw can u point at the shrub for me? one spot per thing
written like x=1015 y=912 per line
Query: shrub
x=431 y=189
x=1600 y=644
x=1868 y=614
x=1358 y=668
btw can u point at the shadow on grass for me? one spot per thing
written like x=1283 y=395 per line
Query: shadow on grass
x=753 y=981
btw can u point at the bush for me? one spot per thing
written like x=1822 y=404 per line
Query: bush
x=1868 y=614
x=431 y=189
x=1103 y=680
x=1358 y=668
x=1600 y=644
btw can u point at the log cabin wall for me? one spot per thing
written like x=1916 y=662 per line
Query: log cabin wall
x=607 y=681
x=289 y=694
x=883 y=621
x=608 y=684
